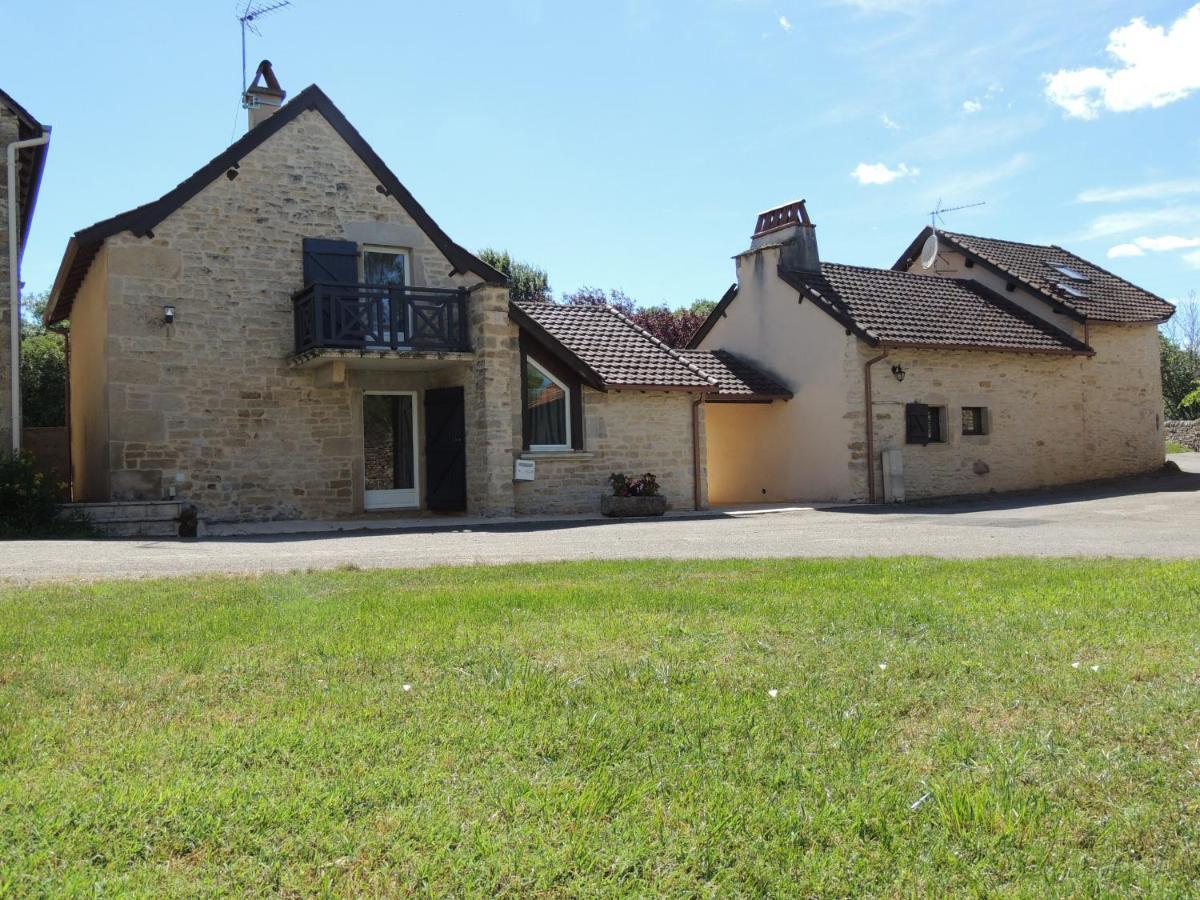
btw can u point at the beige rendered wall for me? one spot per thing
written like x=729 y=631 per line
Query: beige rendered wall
x=89 y=385
x=804 y=448
x=209 y=404
x=632 y=432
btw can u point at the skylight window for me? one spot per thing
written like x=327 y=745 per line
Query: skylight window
x=1073 y=274
x=1073 y=291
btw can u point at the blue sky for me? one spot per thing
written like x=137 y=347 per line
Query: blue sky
x=630 y=144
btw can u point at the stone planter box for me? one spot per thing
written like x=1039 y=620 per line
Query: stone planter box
x=628 y=507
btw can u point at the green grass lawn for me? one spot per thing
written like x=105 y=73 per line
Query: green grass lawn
x=1175 y=447
x=1016 y=726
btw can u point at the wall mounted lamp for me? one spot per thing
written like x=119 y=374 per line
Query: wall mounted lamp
x=168 y=315
x=898 y=371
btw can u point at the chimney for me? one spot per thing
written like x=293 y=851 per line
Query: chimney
x=789 y=227
x=264 y=96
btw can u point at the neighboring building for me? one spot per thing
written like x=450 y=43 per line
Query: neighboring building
x=16 y=214
x=998 y=366
x=288 y=334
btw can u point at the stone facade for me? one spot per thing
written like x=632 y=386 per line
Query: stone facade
x=1185 y=431
x=1053 y=419
x=8 y=134
x=210 y=410
x=624 y=431
x=1049 y=419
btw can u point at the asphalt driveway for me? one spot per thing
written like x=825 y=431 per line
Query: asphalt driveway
x=1155 y=517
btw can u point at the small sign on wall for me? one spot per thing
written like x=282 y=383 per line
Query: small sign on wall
x=523 y=470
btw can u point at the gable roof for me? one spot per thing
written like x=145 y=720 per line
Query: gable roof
x=85 y=244
x=32 y=162
x=1103 y=296
x=737 y=380
x=891 y=308
x=711 y=319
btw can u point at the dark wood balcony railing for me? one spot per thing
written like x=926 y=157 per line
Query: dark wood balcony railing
x=379 y=317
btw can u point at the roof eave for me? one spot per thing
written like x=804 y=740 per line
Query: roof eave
x=975 y=348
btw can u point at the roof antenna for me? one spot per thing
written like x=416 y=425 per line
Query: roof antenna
x=929 y=252
x=254 y=10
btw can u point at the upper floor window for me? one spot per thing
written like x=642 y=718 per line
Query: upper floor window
x=385 y=265
x=548 y=406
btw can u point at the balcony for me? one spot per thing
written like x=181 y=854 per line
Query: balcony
x=378 y=323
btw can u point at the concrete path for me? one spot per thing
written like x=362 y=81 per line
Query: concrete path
x=1155 y=517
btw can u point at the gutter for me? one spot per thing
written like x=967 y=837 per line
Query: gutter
x=870 y=405
x=14 y=281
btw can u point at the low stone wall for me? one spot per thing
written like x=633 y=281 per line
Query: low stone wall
x=1184 y=431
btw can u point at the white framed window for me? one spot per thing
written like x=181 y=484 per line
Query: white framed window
x=547 y=408
x=385 y=265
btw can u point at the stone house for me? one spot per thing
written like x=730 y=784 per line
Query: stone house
x=972 y=365
x=24 y=142
x=289 y=334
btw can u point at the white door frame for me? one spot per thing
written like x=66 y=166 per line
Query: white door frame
x=399 y=498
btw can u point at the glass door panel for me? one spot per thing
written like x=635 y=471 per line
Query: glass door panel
x=389 y=451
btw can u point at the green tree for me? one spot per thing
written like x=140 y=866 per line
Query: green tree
x=43 y=367
x=1180 y=369
x=525 y=281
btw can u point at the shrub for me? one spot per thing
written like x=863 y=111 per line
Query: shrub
x=29 y=500
x=633 y=486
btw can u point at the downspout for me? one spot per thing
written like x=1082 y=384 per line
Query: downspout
x=66 y=336
x=14 y=281
x=696 y=451
x=870 y=404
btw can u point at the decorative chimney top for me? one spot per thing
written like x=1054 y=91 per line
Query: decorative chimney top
x=781 y=217
x=789 y=228
x=263 y=99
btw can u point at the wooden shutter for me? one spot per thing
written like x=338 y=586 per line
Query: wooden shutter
x=916 y=419
x=328 y=262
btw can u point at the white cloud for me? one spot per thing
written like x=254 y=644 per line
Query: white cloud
x=971 y=106
x=889 y=123
x=1139 y=246
x=879 y=173
x=1140 y=220
x=910 y=7
x=1153 y=190
x=975 y=184
x=1157 y=66
x=784 y=23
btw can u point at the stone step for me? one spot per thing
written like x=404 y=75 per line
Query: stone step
x=132 y=510
x=134 y=518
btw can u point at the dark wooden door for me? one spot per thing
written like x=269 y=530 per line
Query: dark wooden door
x=445 y=450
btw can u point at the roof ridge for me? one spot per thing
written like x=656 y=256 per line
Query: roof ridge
x=671 y=351
x=980 y=237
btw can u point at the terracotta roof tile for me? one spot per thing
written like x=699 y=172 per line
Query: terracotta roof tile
x=737 y=380
x=901 y=308
x=1102 y=296
x=619 y=352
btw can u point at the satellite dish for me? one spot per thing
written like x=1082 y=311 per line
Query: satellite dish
x=930 y=251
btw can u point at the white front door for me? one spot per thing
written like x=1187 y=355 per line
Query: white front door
x=390 y=450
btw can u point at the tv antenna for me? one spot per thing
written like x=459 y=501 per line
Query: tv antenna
x=253 y=11
x=929 y=252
